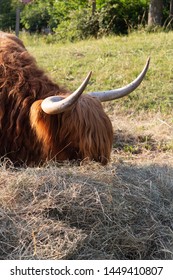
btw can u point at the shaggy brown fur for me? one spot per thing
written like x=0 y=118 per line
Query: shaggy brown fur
x=27 y=134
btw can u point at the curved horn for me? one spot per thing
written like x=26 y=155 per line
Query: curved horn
x=118 y=93
x=56 y=104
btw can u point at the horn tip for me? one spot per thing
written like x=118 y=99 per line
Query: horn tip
x=89 y=74
x=148 y=60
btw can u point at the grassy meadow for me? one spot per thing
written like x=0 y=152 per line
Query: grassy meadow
x=120 y=211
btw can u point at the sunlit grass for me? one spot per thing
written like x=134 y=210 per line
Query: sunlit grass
x=114 y=61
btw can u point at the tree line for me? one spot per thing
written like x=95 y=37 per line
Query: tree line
x=79 y=19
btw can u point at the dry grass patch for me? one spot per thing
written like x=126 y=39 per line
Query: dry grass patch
x=144 y=133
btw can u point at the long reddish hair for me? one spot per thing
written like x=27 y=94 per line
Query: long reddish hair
x=27 y=134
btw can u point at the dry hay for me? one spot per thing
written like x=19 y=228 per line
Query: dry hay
x=123 y=211
x=70 y=211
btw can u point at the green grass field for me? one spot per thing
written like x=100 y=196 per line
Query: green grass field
x=120 y=211
x=115 y=61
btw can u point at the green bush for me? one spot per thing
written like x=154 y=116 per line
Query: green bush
x=75 y=19
x=78 y=26
x=7 y=15
x=110 y=17
x=35 y=16
x=120 y=16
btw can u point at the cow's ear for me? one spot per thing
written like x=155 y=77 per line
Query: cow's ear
x=37 y=116
x=40 y=122
x=36 y=112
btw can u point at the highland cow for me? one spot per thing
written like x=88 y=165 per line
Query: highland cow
x=41 y=121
